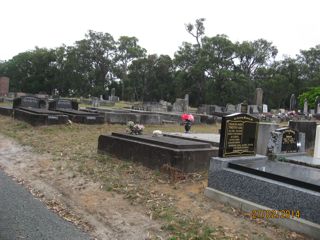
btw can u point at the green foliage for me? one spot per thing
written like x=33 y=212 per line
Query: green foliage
x=212 y=70
x=311 y=96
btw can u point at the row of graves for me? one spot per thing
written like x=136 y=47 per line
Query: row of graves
x=260 y=168
x=39 y=111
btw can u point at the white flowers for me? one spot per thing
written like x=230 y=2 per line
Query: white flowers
x=135 y=129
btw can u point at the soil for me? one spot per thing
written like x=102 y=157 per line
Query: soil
x=107 y=215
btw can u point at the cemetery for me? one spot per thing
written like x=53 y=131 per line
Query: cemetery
x=220 y=141
x=32 y=110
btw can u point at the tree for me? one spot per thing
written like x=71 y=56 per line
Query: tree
x=31 y=71
x=96 y=58
x=196 y=30
x=127 y=50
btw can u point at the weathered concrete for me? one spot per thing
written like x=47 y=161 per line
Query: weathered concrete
x=154 y=152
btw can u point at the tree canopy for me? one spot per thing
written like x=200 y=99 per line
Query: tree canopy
x=212 y=69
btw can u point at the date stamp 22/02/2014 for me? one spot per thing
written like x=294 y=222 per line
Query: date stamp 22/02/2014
x=271 y=213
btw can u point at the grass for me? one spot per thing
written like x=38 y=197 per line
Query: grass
x=75 y=146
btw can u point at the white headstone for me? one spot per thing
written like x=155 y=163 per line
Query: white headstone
x=318 y=108
x=317 y=144
x=264 y=108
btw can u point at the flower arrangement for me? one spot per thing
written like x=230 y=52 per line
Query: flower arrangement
x=135 y=129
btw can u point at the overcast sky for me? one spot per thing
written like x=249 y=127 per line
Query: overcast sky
x=158 y=24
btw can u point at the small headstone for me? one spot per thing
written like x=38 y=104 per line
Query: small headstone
x=238 y=135
x=286 y=140
x=293 y=103
x=305 y=107
x=318 y=108
x=312 y=111
x=264 y=108
x=254 y=109
x=64 y=104
x=244 y=107
x=230 y=108
x=113 y=92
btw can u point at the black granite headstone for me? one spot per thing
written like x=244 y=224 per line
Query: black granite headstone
x=64 y=103
x=238 y=136
x=28 y=102
x=290 y=139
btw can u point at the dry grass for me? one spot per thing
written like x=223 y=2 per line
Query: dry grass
x=76 y=147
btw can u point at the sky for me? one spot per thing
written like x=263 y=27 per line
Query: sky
x=291 y=25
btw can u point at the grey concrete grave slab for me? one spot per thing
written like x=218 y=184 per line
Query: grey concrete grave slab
x=156 y=151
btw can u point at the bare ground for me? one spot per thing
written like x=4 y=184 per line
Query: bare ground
x=113 y=199
x=107 y=215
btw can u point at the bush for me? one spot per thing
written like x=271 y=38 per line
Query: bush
x=311 y=96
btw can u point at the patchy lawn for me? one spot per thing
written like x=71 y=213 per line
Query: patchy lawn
x=180 y=207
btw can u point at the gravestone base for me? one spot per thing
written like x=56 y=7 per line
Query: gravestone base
x=38 y=117
x=154 y=152
x=82 y=117
x=273 y=184
x=6 y=111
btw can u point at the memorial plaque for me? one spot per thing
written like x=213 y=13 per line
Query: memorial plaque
x=238 y=135
x=289 y=143
x=64 y=103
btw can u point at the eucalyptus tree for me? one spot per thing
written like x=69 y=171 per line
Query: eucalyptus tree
x=128 y=50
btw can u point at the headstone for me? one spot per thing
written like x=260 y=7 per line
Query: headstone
x=316 y=153
x=179 y=105
x=230 y=108
x=258 y=96
x=244 y=107
x=312 y=111
x=307 y=127
x=253 y=109
x=30 y=102
x=305 y=107
x=264 y=108
x=318 y=108
x=4 y=86
x=264 y=132
x=113 y=92
x=238 y=135
x=64 y=104
x=293 y=103
x=286 y=140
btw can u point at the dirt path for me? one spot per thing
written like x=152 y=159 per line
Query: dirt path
x=105 y=214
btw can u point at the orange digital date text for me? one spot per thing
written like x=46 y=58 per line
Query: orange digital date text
x=270 y=213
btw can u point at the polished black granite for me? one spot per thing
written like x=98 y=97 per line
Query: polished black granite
x=302 y=176
x=165 y=141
